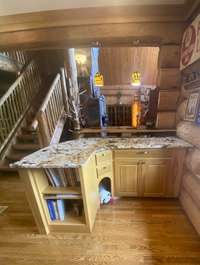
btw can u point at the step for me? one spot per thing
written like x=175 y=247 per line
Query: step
x=25 y=147
x=16 y=156
x=27 y=137
x=28 y=129
x=4 y=167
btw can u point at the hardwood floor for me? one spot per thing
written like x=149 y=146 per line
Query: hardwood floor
x=128 y=232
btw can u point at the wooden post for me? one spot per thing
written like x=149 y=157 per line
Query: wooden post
x=74 y=99
x=43 y=130
x=64 y=91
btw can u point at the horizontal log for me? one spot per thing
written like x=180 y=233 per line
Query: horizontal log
x=169 y=78
x=9 y=65
x=191 y=184
x=181 y=110
x=166 y=120
x=169 y=56
x=189 y=132
x=193 y=161
x=113 y=34
x=191 y=209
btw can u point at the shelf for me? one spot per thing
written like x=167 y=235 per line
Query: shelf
x=62 y=190
x=69 y=220
x=57 y=197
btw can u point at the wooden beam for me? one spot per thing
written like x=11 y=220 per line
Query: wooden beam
x=95 y=16
x=132 y=34
x=9 y=65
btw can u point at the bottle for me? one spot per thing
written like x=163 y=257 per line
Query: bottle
x=136 y=112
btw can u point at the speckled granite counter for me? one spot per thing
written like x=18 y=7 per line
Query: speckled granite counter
x=75 y=153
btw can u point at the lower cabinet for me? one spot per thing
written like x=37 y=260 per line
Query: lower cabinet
x=148 y=173
x=126 y=178
x=154 y=173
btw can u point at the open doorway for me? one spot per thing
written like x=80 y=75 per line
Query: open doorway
x=117 y=66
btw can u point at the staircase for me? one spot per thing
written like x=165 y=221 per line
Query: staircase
x=42 y=120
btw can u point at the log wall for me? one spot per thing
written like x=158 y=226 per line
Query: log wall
x=168 y=82
x=190 y=188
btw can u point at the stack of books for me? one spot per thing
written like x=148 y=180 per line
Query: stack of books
x=56 y=209
x=63 y=177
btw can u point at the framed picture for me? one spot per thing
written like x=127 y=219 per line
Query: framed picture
x=192 y=106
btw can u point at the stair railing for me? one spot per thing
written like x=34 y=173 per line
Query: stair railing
x=16 y=102
x=51 y=111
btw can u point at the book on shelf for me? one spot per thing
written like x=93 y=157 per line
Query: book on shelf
x=51 y=210
x=56 y=177
x=61 y=209
x=56 y=209
x=63 y=177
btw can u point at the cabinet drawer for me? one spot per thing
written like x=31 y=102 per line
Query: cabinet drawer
x=104 y=169
x=143 y=153
x=105 y=156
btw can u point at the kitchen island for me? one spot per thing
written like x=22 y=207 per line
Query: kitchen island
x=136 y=167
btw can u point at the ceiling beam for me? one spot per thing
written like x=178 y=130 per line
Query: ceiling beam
x=145 y=34
x=95 y=16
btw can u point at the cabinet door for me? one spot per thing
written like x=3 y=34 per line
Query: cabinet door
x=154 y=177
x=126 y=177
x=90 y=191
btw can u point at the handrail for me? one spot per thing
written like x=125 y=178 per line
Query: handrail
x=17 y=100
x=51 y=111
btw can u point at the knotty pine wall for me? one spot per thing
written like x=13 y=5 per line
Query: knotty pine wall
x=118 y=63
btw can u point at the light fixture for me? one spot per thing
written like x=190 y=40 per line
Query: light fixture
x=136 y=79
x=81 y=58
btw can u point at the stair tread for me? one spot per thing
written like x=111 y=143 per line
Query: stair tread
x=28 y=137
x=4 y=167
x=16 y=156
x=26 y=146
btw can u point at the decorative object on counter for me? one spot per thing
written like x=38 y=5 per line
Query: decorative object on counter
x=136 y=112
x=192 y=106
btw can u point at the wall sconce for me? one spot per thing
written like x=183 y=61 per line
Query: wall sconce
x=136 y=79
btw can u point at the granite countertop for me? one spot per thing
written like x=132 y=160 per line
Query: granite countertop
x=76 y=152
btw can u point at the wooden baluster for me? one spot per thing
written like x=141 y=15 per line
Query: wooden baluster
x=43 y=128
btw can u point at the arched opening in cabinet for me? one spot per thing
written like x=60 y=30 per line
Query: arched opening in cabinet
x=105 y=190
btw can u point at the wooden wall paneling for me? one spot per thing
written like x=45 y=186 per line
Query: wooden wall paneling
x=169 y=56
x=166 y=120
x=169 y=78
x=168 y=99
x=118 y=63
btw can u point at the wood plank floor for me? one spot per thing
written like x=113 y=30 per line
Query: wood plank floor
x=129 y=232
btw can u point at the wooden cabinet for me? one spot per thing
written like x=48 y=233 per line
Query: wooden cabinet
x=126 y=177
x=148 y=173
x=154 y=173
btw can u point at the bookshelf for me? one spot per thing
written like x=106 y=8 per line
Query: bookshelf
x=79 y=197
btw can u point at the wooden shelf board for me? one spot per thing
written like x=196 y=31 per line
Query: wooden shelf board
x=54 y=197
x=62 y=190
x=70 y=220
